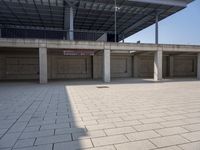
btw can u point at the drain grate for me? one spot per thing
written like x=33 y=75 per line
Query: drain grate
x=102 y=87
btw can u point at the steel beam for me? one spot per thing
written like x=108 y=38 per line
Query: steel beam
x=179 y=3
x=156 y=28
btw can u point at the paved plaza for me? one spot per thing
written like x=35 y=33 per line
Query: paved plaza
x=124 y=115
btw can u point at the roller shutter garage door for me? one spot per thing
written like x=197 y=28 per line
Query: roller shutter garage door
x=71 y=67
x=21 y=67
x=121 y=66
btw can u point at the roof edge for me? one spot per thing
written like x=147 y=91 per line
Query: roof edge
x=177 y=3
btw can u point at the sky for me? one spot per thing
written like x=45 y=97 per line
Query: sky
x=180 y=28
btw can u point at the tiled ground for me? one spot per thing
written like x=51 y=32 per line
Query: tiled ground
x=78 y=115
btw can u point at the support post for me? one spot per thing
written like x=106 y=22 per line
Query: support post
x=158 y=66
x=106 y=66
x=198 y=66
x=115 y=21
x=43 y=65
x=135 y=66
x=71 y=26
x=171 y=66
x=123 y=39
x=156 y=28
x=69 y=21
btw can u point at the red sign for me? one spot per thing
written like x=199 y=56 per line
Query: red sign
x=78 y=53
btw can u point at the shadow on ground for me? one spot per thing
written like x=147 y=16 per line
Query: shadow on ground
x=39 y=117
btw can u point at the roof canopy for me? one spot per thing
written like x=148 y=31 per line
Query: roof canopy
x=95 y=15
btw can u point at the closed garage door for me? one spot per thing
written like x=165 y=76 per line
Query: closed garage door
x=71 y=67
x=121 y=66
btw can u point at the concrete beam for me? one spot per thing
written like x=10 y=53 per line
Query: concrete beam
x=106 y=66
x=198 y=66
x=43 y=65
x=91 y=45
x=158 y=65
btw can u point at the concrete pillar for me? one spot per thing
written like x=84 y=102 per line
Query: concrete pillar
x=43 y=64
x=71 y=27
x=158 y=65
x=171 y=66
x=135 y=66
x=156 y=28
x=69 y=21
x=198 y=66
x=106 y=66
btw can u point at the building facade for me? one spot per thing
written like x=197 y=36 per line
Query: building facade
x=84 y=39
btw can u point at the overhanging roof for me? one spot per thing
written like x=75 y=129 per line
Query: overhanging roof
x=95 y=15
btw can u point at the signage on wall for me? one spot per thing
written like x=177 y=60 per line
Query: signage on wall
x=78 y=53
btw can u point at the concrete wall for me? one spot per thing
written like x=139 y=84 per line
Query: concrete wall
x=19 y=67
x=68 y=67
x=121 y=65
x=185 y=66
x=98 y=66
x=145 y=66
x=19 y=64
x=24 y=64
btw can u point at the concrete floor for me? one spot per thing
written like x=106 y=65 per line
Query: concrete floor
x=125 y=115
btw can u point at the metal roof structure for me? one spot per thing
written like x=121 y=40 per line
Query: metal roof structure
x=93 y=15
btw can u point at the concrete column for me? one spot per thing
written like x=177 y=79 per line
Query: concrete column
x=69 y=21
x=156 y=28
x=171 y=66
x=71 y=26
x=106 y=66
x=158 y=65
x=198 y=66
x=135 y=66
x=43 y=64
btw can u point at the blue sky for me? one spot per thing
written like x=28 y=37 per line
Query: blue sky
x=180 y=28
